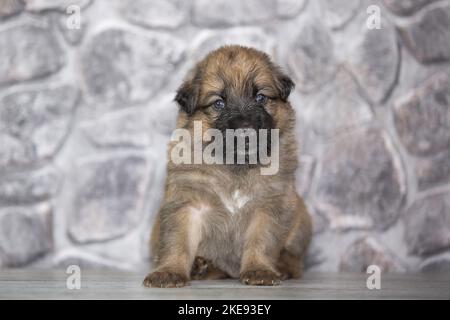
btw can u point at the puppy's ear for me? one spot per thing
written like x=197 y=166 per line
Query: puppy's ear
x=284 y=85
x=186 y=96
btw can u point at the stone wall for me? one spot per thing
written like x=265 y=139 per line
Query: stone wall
x=85 y=116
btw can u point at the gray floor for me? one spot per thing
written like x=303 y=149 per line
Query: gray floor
x=26 y=284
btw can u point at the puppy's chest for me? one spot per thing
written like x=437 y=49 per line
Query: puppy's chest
x=235 y=201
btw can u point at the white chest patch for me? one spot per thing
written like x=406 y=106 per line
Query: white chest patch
x=235 y=202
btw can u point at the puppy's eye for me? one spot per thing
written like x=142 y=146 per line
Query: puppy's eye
x=260 y=98
x=219 y=104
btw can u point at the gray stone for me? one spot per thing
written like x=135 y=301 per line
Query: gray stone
x=361 y=185
x=439 y=264
x=109 y=197
x=422 y=117
x=125 y=128
x=428 y=38
x=208 y=41
x=368 y=251
x=337 y=13
x=28 y=52
x=86 y=261
x=25 y=234
x=375 y=59
x=311 y=58
x=314 y=257
x=163 y=118
x=60 y=5
x=427 y=224
x=128 y=58
x=34 y=124
x=319 y=221
x=29 y=187
x=83 y=263
x=337 y=107
x=433 y=171
x=71 y=20
x=290 y=8
x=121 y=68
x=406 y=7
x=156 y=13
x=304 y=173
x=221 y=13
x=9 y=8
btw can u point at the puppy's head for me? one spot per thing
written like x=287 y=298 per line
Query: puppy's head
x=236 y=87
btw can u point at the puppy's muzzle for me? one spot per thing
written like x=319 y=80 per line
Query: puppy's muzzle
x=246 y=126
x=251 y=121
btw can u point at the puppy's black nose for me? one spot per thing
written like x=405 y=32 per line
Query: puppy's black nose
x=242 y=122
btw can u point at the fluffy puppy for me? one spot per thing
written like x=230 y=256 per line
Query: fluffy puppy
x=230 y=220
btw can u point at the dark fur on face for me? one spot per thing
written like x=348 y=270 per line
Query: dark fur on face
x=215 y=222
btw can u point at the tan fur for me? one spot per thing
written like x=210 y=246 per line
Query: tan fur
x=264 y=237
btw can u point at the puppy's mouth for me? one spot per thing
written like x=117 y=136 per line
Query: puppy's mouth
x=246 y=139
x=247 y=136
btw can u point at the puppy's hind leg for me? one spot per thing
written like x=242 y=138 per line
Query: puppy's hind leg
x=180 y=232
x=204 y=269
x=290 y=262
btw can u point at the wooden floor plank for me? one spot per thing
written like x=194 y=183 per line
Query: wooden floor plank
x=51 y=284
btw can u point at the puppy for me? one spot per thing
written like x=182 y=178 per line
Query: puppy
x=222 y=220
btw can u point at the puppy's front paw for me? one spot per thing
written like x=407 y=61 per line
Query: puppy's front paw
x=165 y=279
x=260 y=278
